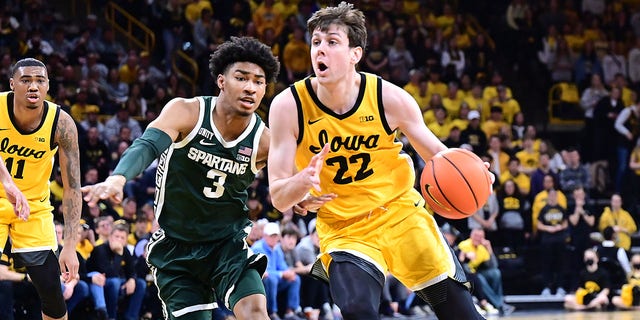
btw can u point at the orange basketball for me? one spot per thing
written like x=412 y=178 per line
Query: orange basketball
x=455 y=183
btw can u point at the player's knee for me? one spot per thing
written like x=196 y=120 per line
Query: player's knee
x=250 y=307
x=450 y=300
x=435 y=294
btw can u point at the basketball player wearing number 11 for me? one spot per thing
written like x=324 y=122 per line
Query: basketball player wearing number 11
x=33 y=130
x=333 y=134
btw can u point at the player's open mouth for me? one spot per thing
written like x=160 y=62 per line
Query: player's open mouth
x=322 y=66
x=32 y=98
x=248 y=101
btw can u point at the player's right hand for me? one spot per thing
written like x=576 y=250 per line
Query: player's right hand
x=18 y=200
x=111 y=189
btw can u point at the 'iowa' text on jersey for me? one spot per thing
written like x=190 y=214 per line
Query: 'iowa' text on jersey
x=348 y=143
x=22 y=151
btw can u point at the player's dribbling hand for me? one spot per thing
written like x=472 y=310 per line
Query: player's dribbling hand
x=111 y=189
x=493 y=176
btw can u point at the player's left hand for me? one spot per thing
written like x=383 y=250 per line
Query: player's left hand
x=68 y=263
x=18 y=200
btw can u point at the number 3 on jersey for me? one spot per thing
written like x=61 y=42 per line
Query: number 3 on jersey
x=218 y=177
x=19 y=167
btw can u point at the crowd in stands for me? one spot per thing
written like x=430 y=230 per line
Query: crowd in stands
x=549 y=209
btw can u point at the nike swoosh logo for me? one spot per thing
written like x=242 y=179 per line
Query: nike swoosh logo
x=206 y=143
x=427 y=188
x=417 y=203
x=310 y=122
x=44 y=199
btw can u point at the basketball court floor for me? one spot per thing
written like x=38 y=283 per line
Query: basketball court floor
x=551 y=315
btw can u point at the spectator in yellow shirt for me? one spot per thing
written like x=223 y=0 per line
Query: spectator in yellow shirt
x=193 y=10
x=510 y=106
x=620 y=220
x=82 y=107
x=428 y=113
x=477 y=252
x=416 y=88
x=515 y=173
x=491 y=91
x=296 y=59
x=500 y=159
x=435 y=86
x=540 y=199
x=495 y=123
x=461 y=120
x=477 y=102
x=442 y=125
x=266 y=16
x=452 y=100
x=528 y=156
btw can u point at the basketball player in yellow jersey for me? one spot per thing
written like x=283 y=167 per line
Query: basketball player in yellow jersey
x=333 y=136
x=31 y=132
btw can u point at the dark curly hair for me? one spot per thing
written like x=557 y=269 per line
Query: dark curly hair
x=244 y=49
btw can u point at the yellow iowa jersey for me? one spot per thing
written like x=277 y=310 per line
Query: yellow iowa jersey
x=365 y=167
x=29 y=156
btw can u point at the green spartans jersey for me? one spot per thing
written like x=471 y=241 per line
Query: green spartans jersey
x=201 y=181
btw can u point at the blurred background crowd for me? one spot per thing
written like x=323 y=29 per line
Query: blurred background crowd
x=543 y=90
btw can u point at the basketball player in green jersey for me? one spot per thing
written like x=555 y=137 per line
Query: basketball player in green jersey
x=209 y=150
x=334 y=135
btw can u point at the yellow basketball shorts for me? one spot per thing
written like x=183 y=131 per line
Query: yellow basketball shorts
x=35 y=234
x=401 y=237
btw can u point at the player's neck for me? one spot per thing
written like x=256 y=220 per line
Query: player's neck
x=340 y=96
x=229 y=124
x=27 y=119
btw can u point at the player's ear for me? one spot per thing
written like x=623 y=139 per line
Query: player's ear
x=220 y=82
x=356 y=54
x=11 y=83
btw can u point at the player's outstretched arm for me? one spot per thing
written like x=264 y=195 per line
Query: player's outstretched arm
x=66 y=137
x=287 y=186
x=176 y=120
x=14 y=195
